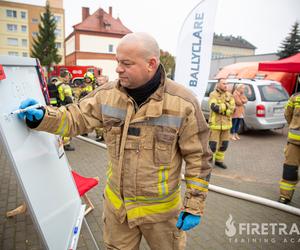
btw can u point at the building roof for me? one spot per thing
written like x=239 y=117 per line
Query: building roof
x=231 y=41
x=101 y=21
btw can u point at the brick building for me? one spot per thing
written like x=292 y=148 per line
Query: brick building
x=19 y=25
x=94 y=41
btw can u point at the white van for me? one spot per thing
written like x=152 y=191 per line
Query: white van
x=265 y=107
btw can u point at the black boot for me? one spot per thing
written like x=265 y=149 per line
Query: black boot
x=99 y=139
x=68 y=148
x=220 y=164
x=284 y=200
x=85 y=135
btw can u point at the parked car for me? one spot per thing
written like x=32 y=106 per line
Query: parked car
x=265 y=107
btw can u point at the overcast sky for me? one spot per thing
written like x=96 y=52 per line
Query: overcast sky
x=263 y=23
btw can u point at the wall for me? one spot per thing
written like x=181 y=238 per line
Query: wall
x=217 y=64
x=97 y=44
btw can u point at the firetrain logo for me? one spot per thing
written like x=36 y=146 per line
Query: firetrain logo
x=230 y=229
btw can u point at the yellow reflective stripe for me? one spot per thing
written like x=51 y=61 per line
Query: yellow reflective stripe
x=114 y=199
x=287 y=184
x=197 y=182
x=219 y=155
x=189 y=185
x=289 y=104
x=143 y=211
x=144 y=199
x=163 y=176
x=293 y=136
x=286 y=188
x=109 y=171
x=226 y=127
x=62 y=128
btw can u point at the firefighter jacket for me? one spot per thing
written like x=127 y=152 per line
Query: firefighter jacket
x=88 y=88
x=146 y=146
x=53 y=94
x=292 y=115
x=65 y=93
x=221 y=109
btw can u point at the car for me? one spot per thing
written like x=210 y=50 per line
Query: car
x=265 y=107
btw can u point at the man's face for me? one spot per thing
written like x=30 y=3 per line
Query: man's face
x=134 y=70
x=222 y=85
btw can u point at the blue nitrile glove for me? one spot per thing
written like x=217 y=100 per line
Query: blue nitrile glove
x=187 y=221
x=31 y=114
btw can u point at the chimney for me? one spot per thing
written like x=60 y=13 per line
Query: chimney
x=85 y=13
x=110 y=11
x=101 y=19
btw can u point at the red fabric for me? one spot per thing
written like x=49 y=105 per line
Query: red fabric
x=2 y=73
x=250 y=70
x=83 y=184
x=290 y=64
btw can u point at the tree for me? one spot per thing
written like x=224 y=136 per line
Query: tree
x=291 y=44
x=168 y=61
x=44 y=47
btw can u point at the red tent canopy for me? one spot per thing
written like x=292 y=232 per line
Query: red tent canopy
x=290 y=64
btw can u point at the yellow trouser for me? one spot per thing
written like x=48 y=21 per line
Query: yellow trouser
x=161 y=235
x=290 y=176
x=66 y=140
x=218 y=142
x=99 y=132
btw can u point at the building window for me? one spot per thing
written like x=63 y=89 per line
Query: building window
x=57 y=32
x=25 y=54
x=24 y=28
x=24 y=42
x=110 y=48
x=35 y=20
x=57 y=19
x=12 y=27
x=23 y=14
x=58 y=45
x=11 y=13
x=12 y=41
x=13 y=53
x=34 y=34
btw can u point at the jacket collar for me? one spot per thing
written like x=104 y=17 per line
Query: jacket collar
x=154 y=105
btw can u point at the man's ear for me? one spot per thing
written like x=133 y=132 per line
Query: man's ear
x=152 y=64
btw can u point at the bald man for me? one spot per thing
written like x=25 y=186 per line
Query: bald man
x=151 y=124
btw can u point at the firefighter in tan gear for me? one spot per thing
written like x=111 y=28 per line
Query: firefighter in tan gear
x=291 y=164
x=65 y=97
x=151 y=124
x=99 y=131
x=222 y=105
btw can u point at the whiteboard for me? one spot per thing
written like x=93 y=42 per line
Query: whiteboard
x=46 y=181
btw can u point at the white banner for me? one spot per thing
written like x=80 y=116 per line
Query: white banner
x=194 y=47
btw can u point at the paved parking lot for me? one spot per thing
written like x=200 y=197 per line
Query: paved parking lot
x=255 y=165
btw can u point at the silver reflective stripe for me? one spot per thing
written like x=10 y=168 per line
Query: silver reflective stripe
x=113 y=112
x=165 y=120
x=295 y=132
x=197 y=184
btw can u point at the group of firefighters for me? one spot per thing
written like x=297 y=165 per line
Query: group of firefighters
x=61 y=93
x=222 y=106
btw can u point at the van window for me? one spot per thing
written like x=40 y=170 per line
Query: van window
x=249 y=92
x=210 y=87
x=273 y=93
